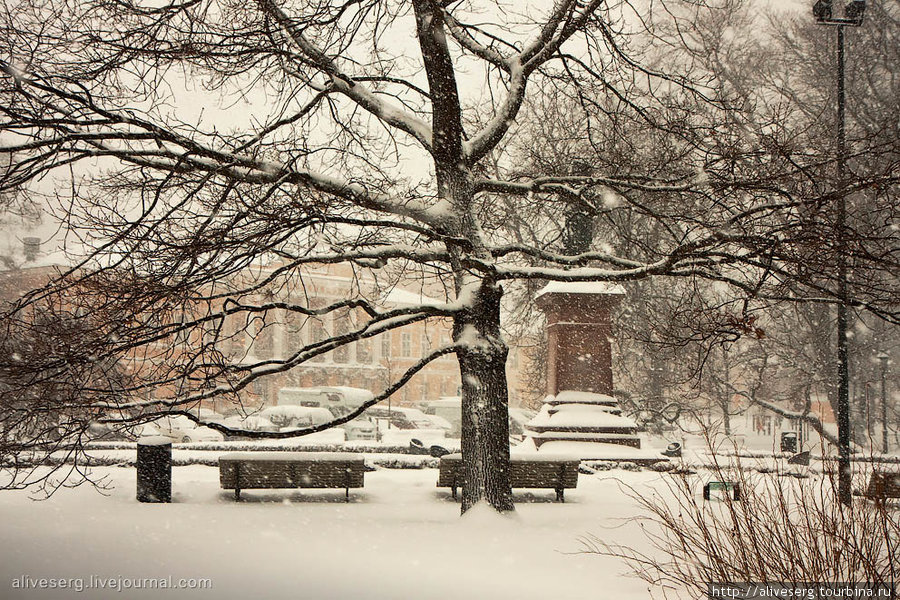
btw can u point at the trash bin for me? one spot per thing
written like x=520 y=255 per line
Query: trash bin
x=789 y=441
x=154 y=469
x=438 y=451
x=417 y=447
x=673 y=450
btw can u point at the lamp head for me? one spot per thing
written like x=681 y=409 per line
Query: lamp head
x=855 y=10
x=822 y=10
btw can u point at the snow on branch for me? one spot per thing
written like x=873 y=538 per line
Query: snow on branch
x=563 y=22
x=87 y=131
x=341 y=82
x=463 y=36
x=563 y=259
x=585 y=273
x=685 y=259
x=573 y=184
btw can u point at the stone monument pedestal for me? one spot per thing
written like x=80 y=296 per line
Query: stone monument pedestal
x=579 y=331
x=580 y=416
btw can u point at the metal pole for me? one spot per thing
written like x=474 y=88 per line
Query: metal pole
x=884 y=425
x=843 y=416
x=868 y=414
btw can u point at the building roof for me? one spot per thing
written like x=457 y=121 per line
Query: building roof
x=582 y=287
x=403 y=297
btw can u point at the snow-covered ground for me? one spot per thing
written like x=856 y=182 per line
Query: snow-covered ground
x=399 y=537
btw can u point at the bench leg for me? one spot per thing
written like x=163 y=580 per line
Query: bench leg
x=347 y=485
x=706 y=492
x=453 y=491
x=237 y=482
x=737 y=491
x=560 y=482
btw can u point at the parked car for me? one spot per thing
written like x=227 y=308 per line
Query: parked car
x=100 y=431
x=330 y=397
x=121 y=427
x=208 y=415
x=181 y=429
x=296 y=417
x=448 y=408
x=360 y=428
x=396 y=419
x=251 y=423
x=390 y=421
x=422 y=420
x=438 y=422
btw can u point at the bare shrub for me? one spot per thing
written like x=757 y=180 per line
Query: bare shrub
x=782 y=529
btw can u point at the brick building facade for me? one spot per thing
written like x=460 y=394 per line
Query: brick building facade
x=370 y=363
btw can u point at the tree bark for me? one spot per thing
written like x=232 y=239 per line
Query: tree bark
x=485 y=416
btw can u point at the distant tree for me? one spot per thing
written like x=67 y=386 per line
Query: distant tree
x=55 y=383
x=777 y=71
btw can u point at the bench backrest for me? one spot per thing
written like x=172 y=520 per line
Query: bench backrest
x=522 y=474
x=884 y=485
x=290 y=473
x=721 y=485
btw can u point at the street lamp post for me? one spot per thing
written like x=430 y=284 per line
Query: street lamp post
x=883 y=358
x=868 y=414
x=853 y=15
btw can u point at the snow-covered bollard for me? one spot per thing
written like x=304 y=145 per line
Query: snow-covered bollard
x=154 y=469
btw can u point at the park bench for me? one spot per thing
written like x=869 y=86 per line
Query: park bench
x=276 y=470
x=883 y=485
x=525 y=472
x=727 y=486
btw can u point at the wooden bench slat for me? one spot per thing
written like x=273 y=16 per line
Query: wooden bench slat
x=290 y=470
x=558 y=475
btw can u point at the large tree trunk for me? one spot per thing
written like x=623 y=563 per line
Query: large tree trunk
x=482 y=358
x=485 y=417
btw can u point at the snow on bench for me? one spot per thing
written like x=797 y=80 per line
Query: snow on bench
x=555 y=472
x=275 y=470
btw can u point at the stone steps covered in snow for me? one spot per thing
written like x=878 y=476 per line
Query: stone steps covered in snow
x=586 y=423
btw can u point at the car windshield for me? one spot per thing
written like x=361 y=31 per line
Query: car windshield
x=339 y=411
x=176 y=422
